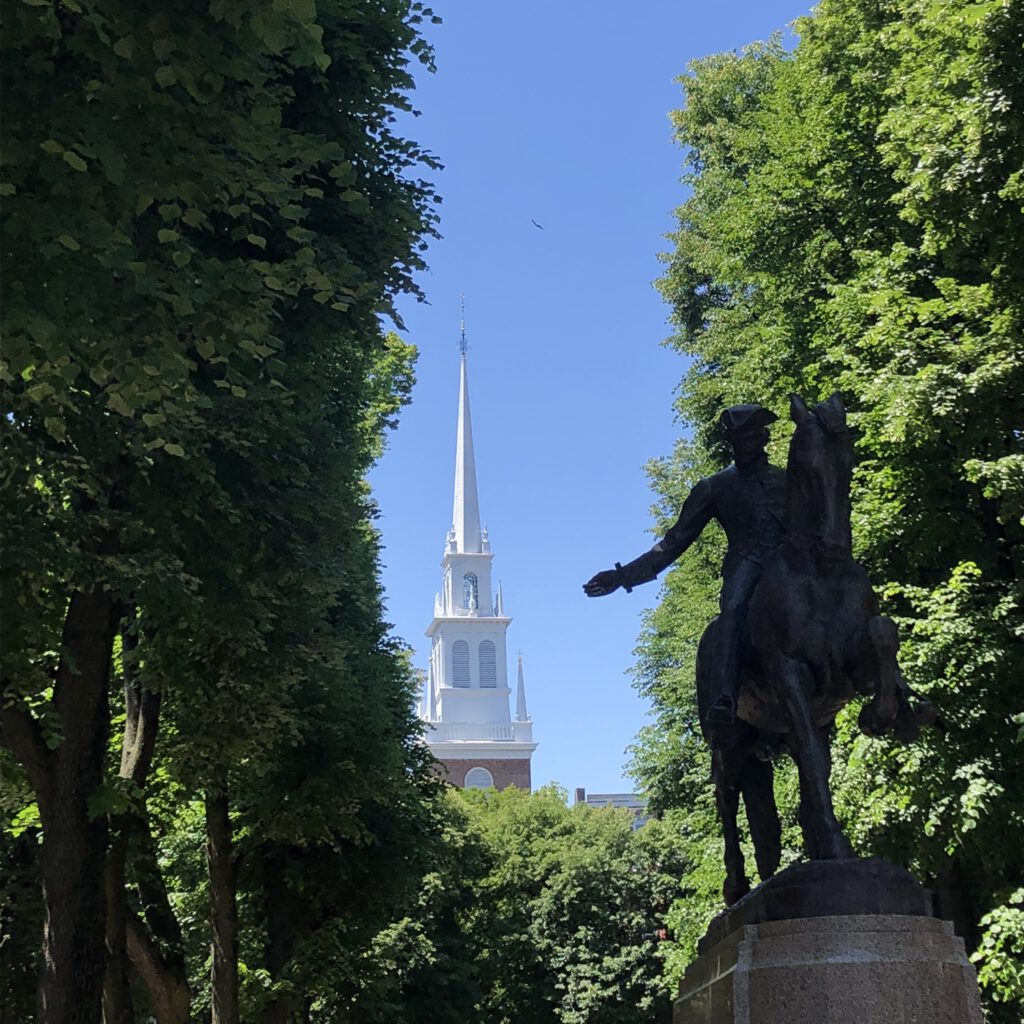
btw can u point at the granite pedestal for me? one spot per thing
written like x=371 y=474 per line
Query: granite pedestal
x=771 y=959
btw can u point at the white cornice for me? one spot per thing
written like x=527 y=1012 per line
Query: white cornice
x=450 y=556
x=461 y=620
x=480 y=749
x=477 y=692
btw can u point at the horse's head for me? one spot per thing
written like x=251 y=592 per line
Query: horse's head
x=818 y=479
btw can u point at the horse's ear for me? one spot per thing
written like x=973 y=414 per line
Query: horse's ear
x=798 y=411
x=832 y=414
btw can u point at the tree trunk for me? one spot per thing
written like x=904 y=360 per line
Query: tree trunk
x=223 y=910
x=142 y=719
x=280 y=915
x=74 y=843
x=73 y=950
x=65 y=779
x=153 y=942
x=117 y=993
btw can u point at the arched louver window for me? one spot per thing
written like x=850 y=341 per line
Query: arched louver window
x=460 y=663
x=488 y=663
x=479 y=778
x=470 y=592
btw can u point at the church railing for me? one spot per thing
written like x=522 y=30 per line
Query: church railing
x=473 y=731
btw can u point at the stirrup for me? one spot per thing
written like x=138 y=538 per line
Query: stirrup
x=723 y=711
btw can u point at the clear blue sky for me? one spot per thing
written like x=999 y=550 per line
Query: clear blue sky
x=555 y=112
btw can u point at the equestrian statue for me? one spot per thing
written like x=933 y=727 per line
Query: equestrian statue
x=798 y=634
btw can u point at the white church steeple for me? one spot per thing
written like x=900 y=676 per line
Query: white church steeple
x=469 y=726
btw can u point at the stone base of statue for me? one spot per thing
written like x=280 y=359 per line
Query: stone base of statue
x=831 y=942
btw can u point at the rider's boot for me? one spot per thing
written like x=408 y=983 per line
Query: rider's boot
x=726 y=668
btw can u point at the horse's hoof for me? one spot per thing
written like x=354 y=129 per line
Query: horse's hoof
x=767 y=866
x=906 y=728
x=735 y=891
x=925 y=712
x=836 y=847
x=869 y=722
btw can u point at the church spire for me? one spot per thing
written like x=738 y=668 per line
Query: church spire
x=470 y=727
x=466 y=514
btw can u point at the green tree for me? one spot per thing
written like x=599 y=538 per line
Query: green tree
x=853 y=226
x=428 y=964
x=536 y=911
x=206 y=210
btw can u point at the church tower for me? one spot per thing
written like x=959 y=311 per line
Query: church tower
x=466 y=706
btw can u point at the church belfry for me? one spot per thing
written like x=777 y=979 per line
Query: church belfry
x=466 y=708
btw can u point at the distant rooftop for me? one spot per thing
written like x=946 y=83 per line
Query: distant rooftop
x=630 y=801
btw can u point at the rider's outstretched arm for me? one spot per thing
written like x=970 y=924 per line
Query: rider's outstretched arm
x=696 y=513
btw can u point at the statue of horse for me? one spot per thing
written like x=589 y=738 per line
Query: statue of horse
x=814 y=641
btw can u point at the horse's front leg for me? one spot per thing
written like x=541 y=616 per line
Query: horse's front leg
x=727 y=799
x=892 y=706
x=823 y=836
x=878 y=672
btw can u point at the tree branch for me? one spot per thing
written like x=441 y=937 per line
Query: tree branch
x=166 y=984
x=21 y=734
x=142 y=722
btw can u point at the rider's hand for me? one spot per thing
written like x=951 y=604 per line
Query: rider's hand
x=604 y=582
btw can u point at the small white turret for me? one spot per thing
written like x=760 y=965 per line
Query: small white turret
x=522 y=715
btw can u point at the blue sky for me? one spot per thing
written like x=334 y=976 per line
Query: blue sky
x=557 y=113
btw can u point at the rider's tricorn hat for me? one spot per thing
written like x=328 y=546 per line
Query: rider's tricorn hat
x=745 y=419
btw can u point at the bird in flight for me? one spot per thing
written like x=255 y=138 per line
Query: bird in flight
x=536 y=225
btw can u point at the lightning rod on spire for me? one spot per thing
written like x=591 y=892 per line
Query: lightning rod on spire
x=462 y=324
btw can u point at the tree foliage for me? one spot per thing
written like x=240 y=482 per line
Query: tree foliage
x=534 y=911
x=206 y=213
x=854 y=226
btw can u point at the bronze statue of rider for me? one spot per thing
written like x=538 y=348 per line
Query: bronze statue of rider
x=747 y=500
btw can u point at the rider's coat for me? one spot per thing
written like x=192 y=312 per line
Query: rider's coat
x=748 y=502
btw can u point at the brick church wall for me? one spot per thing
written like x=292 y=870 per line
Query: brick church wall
x=513 y=772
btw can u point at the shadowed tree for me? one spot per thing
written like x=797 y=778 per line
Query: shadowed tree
x=205 y=211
